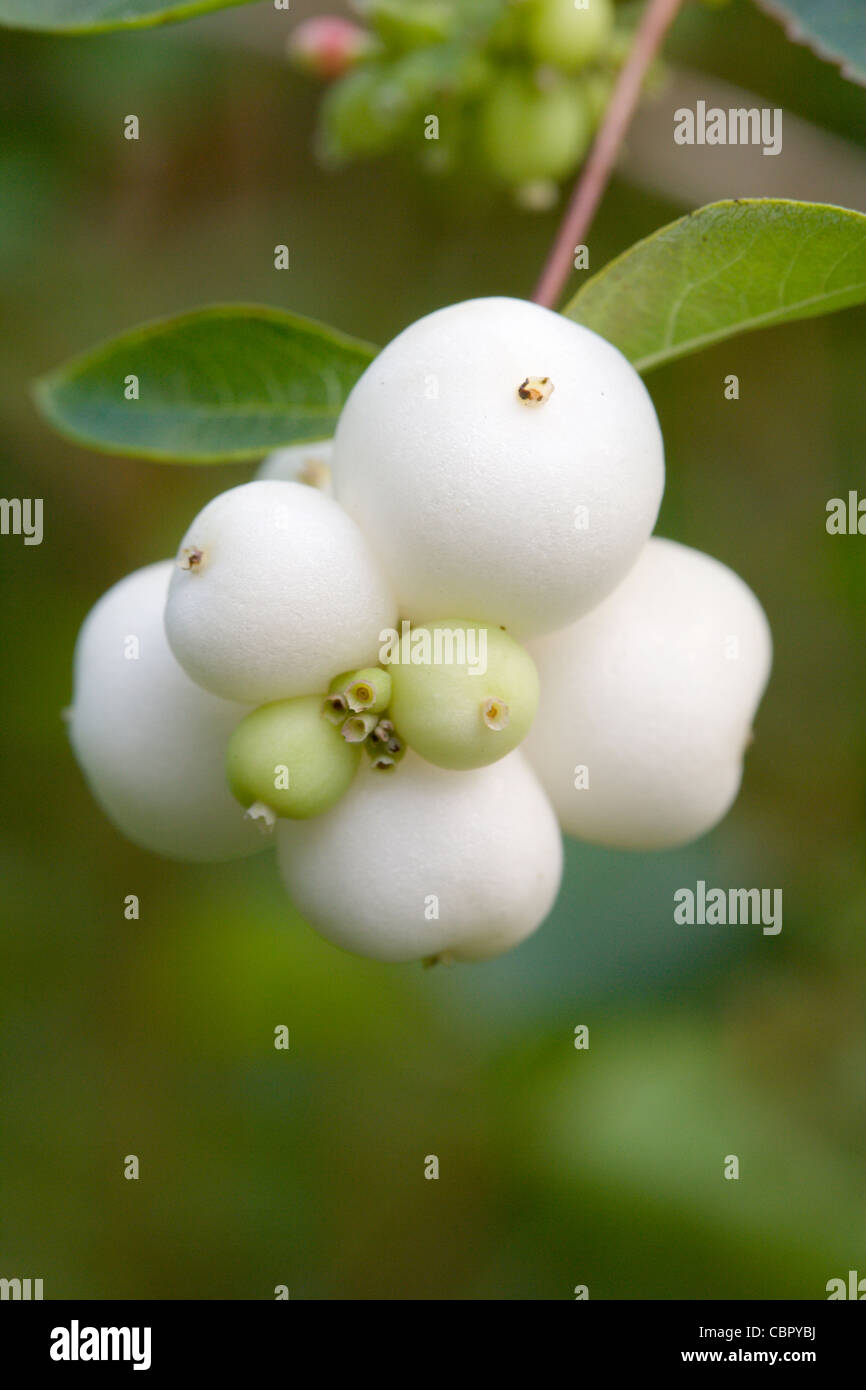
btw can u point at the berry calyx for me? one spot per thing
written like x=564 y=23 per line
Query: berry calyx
x=365 y=691
x=357 y=727
x=300 y=463
x=535 y=390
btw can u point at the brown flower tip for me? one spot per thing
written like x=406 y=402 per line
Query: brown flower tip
x=191 y=558
x=383 y=762
x=315 y=473
x=494 y=712
x=383 y=731
x=334 y=708
x=535 y=390
x=357 y=727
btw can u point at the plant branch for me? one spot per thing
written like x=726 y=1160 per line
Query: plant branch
x=593 y=179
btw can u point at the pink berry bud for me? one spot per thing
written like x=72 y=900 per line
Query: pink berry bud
x=328 y=46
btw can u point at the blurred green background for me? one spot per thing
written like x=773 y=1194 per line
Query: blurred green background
x=558 y=1167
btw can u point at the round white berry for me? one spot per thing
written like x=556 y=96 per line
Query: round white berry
x=275 y=590
x=150 y=742
x=419 y=862
x=506 y=463
x=647 y=703
x=300 y=463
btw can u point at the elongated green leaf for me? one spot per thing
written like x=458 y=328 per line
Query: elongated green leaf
x=726 y=268
x=95 y=16
x=835 y=29
x=227 y=382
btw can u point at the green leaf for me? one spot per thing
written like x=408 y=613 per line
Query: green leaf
x=97 y=16
x=835 y=29
x=726 y=268
x=231 y=381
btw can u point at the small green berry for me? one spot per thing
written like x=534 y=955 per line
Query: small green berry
x=568 y=37
x=528 y=133
x=289 y=758
x=362 y=115
x=463 y=713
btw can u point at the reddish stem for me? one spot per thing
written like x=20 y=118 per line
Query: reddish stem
x=655 y=22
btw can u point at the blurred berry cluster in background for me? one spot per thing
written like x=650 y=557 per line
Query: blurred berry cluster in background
x=510 y=93
x=155 y=1036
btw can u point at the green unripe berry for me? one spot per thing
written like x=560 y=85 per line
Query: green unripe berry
x=409 y=23
x=362 y=115
x=287 y=757
x=462 y=713
x=566 y=37
x=527 y=133
x=339 y=683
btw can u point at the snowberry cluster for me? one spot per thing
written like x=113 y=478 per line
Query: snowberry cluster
x=511 y=89
x=459 y=639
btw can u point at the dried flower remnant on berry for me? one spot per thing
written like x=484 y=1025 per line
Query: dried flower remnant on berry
x=356 y=729
x=315 y=473
x=383 y=731
x=263 y=816
x=535 y=390
x=334 y=707
x=383 y=762
x=190 y=558
x=494 y=712
x=361 y=696
x=368 y=690
x=443 y=958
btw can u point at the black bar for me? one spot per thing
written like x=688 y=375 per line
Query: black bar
x=221 y=1338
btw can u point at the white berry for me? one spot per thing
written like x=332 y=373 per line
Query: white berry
x=422 y=863
x=647 y=703
x=285 y=592
x=520 y=510
x=150 y=742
